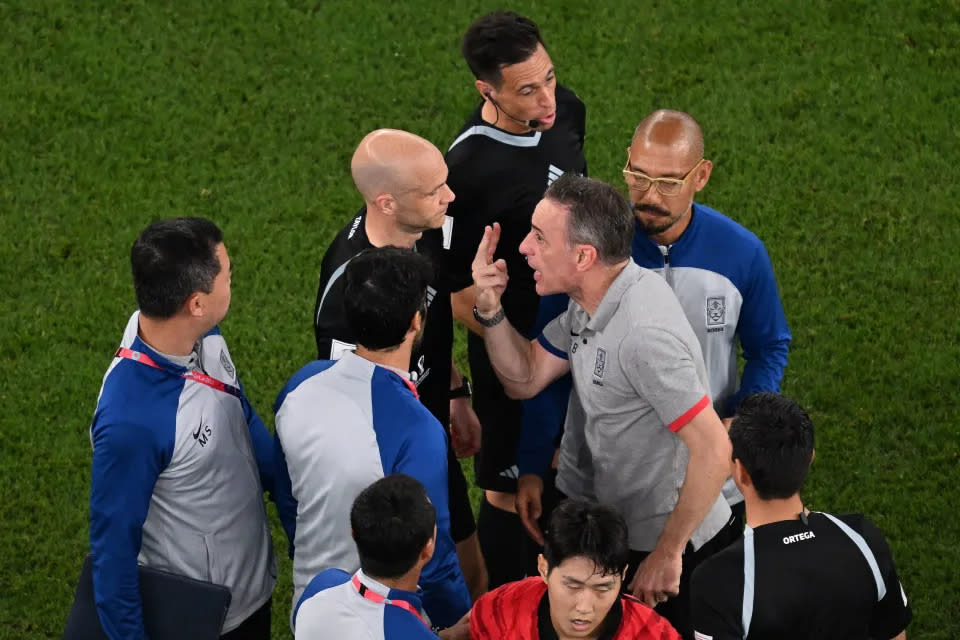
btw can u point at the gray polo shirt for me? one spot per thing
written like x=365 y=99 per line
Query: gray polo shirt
x=638 y=377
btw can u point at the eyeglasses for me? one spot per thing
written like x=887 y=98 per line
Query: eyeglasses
x=639 y=181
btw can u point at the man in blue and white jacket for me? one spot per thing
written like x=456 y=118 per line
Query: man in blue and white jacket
x=719 y=270
x=180 y=458
x=341 y=425
x=380 y=600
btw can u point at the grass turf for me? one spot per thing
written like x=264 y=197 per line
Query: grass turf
x=832 y=127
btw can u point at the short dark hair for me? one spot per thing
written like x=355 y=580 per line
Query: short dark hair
x=594 y=531
x=392 y=521
x=599 y=216
x=384 y=288
x=171 y=260
x=497 y=40
x=772 y=437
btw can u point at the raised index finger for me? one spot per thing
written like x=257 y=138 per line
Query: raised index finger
x=487 y=246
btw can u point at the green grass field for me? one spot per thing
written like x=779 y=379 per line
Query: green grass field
x=833 y=128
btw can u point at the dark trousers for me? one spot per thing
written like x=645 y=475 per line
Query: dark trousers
x=508 y=550
x=677 y=609
x=256 y=627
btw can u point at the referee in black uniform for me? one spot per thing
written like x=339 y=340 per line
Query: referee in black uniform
x=403 y=180
x=525 y=134
x=796 y=573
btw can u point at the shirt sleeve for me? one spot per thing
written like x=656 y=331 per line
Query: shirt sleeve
x=892 y=613
x=445 y=595
x=662 y=369
x=468 y=217
x=715 y=609
x=283 y=494
x=330 y=328
x=127 y=460
x=544 y=414
x=554 y=337
x=262 y=444
x=763 y=332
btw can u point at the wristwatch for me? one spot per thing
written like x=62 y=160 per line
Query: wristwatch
x=493 y=321
x=465 y=390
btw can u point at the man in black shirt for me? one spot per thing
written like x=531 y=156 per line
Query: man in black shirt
x=526 y=133
x=403 y=180
x=796 y=573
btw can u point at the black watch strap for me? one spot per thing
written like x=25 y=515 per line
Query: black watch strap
x=493 y=321
x=465 y=390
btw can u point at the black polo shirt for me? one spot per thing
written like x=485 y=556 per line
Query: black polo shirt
x=829 y=577
x=499 y=176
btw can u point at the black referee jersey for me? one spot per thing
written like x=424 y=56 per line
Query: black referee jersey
x=833 y=577
x=500 y=177
x=430 y=364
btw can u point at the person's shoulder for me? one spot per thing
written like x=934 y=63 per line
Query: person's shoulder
x=349 y=241
x=135 y=395
x=503 y=608
x=866 y=528
x=565 y=95
x=719 y=569
x=720 y=227
x=640 y=622
x=306 y=372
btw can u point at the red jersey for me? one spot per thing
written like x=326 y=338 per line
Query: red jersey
x=513 y=611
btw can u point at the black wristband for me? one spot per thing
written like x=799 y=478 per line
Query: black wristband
x=465 y=390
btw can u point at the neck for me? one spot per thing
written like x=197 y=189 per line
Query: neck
x=761 y=512
x=406 y=582
x=595 y=286
x=382 y=231
x=673 y=234
x=171 y=336
x=398 y=358
x=498 y=118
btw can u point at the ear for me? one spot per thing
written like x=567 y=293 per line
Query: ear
x=194 y=304
x=415 y=323
x=427 y=552
x=386 y=204
x=703 y=175
x=586 y=255
x=813 y=456
x=484 y=88
x=542 y=567
x=740 y=475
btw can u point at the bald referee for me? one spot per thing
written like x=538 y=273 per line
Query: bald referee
x=403 y=180
x=796 y=573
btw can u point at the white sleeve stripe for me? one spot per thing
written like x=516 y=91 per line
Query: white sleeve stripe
x=865 y=550
x=326 y=290
x=749 y=572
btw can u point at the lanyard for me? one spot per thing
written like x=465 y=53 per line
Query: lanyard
x=379 y=599
x=196 y=376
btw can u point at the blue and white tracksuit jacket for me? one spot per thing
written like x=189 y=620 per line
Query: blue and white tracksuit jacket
x=331 y=607
x=179 y=470
x=340 y=426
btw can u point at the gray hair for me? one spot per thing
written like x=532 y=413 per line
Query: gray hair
x=599 y=216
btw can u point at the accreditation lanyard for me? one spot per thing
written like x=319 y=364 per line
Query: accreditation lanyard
x=196 y=376
x=379 y=599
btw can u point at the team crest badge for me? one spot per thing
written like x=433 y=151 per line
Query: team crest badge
x=227 y=365
x=716 y=311
x=600 y=364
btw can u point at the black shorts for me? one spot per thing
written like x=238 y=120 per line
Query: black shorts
x=462 y=523
x=501 y=417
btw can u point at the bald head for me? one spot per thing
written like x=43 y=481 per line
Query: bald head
x=388 y=161
x=668 y=128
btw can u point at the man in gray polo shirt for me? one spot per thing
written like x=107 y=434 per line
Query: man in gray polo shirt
x=658 y=449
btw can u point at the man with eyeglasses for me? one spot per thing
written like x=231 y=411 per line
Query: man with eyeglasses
x=719 y=270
